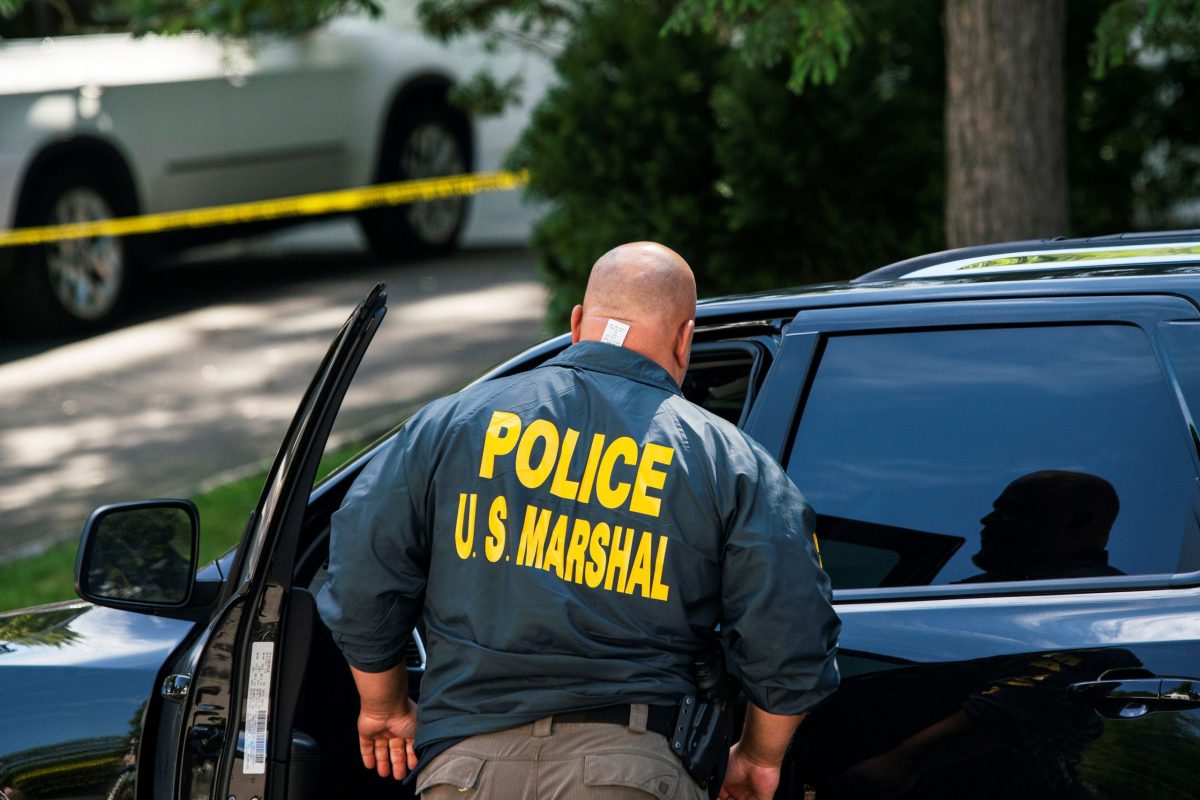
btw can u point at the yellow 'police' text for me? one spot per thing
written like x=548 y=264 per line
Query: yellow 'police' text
x=617 y=472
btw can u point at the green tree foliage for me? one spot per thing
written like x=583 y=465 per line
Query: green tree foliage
x=830 y=183
x=770 y=187
x=1131 y=66
x=1129 y=28
x=818 y=36
x=535 y=25
x=815 y=36
x=227 y=19
x=683 y=121
x=622 y=145
x=532 y=22
x=1142 y=757
x=42 y=627
x=239 y=18
x=1132 y=130
x=676 y=138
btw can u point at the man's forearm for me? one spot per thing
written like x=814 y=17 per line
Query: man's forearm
x=766 y=736
x=382 y=691
x=387 y=722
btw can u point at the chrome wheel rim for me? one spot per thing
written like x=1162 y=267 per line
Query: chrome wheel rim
x=86 y=274
x=431 y=151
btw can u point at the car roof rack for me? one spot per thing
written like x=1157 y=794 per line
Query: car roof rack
x=1169 y=248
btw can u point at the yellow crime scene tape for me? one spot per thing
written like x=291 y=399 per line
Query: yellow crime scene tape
x=377 y=196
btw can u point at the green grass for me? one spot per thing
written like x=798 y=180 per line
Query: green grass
x=49 y=576
x=43 y=578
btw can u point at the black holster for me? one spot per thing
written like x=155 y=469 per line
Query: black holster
x=703 y=724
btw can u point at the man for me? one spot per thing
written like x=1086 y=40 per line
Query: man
x=573 y=536
x=1048 y=524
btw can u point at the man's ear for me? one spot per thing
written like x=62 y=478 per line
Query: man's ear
x=683 y=345
x=576 y=323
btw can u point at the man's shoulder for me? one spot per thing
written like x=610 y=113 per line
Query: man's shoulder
x=718 y=439
x=697 y=420
x=505 y=391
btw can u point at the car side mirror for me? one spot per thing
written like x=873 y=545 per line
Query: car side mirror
x=139 y=556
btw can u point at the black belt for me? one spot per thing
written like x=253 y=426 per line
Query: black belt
x=661 y=719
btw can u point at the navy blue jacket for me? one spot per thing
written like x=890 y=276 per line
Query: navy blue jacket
x=574 y=535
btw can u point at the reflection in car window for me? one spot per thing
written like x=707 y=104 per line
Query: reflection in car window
x=140 y=554
x=912 y=443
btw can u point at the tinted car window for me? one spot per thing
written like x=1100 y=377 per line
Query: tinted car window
x=912 y=443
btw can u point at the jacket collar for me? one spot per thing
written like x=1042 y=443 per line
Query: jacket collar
x=601 y=357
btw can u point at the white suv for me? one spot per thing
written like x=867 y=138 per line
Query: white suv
x=95 y=123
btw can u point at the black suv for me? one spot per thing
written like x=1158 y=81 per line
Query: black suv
x=1001 y=448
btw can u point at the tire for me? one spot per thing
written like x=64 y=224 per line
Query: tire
x=71 y=285
x=421 y=142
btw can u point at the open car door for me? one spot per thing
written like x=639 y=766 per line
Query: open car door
x=222 y=733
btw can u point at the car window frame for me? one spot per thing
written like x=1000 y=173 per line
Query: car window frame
x=799 y=358
x=759 y=354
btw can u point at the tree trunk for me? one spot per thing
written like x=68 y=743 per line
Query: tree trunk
x=1006 y=174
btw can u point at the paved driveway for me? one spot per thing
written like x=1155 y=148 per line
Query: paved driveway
x=207 y=383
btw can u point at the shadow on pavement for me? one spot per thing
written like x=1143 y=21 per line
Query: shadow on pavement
x=173 y=287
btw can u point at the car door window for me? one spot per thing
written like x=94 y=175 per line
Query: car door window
x=959 y=456
x=724 y=376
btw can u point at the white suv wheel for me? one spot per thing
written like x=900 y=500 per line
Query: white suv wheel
x=432 y=150
x=86 y=274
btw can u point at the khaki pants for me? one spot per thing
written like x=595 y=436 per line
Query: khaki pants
x=550 y=760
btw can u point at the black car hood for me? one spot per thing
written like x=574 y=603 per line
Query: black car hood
x=75 y=679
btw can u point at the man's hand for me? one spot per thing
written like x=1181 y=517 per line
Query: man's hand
x=385 y=739
x=746 y=780
x=387 y=721
x=754 y=762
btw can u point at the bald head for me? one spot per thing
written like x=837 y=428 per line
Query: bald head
x=651 y=289
x=1046 y=518
x=642 y=281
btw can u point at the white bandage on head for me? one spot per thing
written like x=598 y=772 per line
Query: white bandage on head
x=614 y=333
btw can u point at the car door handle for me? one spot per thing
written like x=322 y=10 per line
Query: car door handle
x=1136 y=697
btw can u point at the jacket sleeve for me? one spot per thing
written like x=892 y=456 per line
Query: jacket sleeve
x=777 y=618
x=378 y=557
